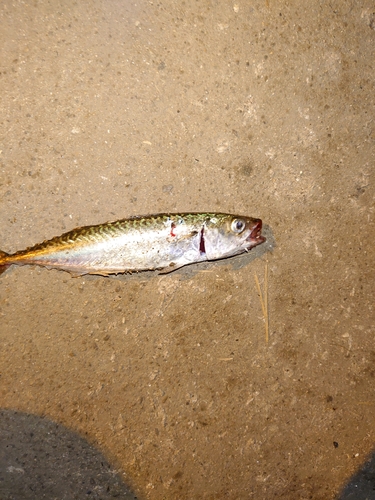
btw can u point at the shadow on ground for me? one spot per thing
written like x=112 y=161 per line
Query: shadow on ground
x=362 y=485
x=42 y=459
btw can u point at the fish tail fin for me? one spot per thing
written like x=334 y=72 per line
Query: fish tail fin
x=3 y=265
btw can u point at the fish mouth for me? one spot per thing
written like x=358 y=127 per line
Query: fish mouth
x=256 y=237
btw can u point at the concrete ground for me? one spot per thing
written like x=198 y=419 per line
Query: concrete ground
x=165 y=387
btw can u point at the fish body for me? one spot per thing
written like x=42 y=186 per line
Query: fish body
x=156 y=242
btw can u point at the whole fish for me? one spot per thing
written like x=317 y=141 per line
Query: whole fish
x=157 y=242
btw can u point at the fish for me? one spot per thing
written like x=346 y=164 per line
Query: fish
x=162 y=242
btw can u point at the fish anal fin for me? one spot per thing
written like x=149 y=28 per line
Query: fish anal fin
x=76 y=274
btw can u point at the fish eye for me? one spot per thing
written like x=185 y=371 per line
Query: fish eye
x=238 y=225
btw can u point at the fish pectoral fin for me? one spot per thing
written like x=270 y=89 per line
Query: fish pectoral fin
x=181 y=237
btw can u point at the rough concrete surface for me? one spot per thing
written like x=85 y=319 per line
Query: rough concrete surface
x=266 y=108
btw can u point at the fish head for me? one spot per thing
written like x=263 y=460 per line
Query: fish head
x=227 y=235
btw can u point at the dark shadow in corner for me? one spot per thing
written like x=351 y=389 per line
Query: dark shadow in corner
x=362 y=484
x=40 y=459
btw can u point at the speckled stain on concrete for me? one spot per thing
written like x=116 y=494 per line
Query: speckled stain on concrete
x=110 y=109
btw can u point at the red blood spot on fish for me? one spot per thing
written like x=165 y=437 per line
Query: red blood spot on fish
x=202 y=247
x=173 y=227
